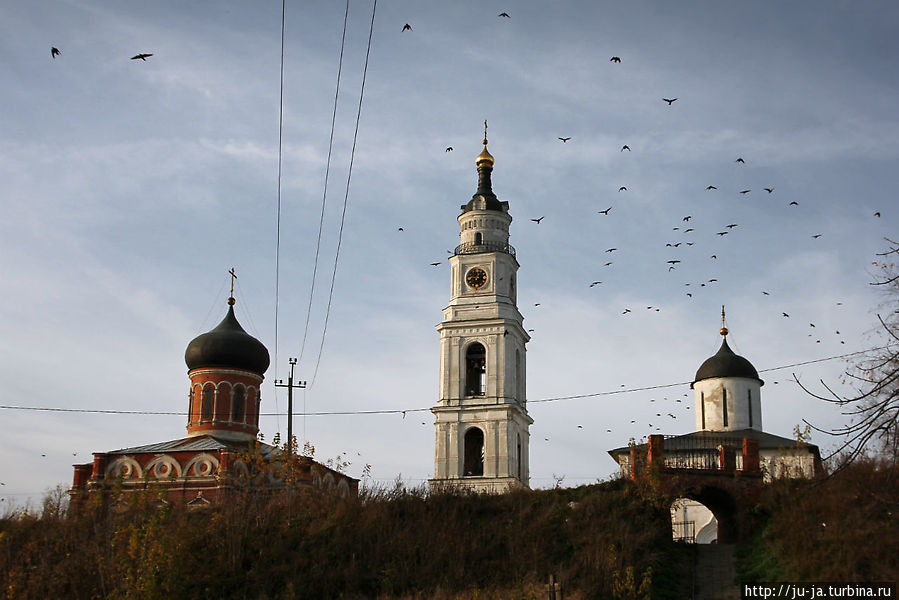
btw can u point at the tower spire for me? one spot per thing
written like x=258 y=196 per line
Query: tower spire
x=724 y=330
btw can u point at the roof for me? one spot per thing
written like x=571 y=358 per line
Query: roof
x=712 y=439
x=227 y=346
x=725 y=363
x=200 y=443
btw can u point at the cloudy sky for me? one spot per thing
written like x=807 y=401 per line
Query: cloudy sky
x=131 y=187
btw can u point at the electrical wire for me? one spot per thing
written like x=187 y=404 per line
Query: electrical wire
x=412 y=410
x=321 y=219
x=278 y=225
x=346 y=194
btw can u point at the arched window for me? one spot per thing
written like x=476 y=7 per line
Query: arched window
x=475 y=370
x=478 y=240
x=474 y=452
x=749 y=397
x=518 y=379
x=208 y=403
x=237 y=404
x=518 y=454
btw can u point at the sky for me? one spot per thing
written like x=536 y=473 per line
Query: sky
x=131 y=187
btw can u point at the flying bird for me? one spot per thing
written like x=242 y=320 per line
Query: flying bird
x=816 y=236
x=435 y=264
x=449 y=149
x=745 y=191
x=622 y=189
x=785 y=314
x=625 y=147
x=740 y=160
x=564 y=139
x=608 y=264
x=722 y=233
x=626 y=310
x=669 y=101
x=769 y=190
x=687 y=218
x=877 y=214
x=605 y=212
x=143 y=56
x=595 y=283
x=407 y=27
x=400 y=229
x=732 y=225
x=615 y=59
x=688 y=230
x=503 y=14
x=711 y=187
x=794 y=203
x=54 y=52
x=765 y=293
x=673 y=262
x=537 y=221
x=715 y=256
x=611 y=249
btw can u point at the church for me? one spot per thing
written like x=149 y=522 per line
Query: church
x=226 y=368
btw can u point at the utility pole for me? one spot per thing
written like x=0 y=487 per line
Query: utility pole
x=290 y=387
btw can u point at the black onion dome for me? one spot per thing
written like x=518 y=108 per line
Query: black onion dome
x=726 y=364
x=227 y=346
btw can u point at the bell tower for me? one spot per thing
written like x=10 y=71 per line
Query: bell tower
x=481 y=415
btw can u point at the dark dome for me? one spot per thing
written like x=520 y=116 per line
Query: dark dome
x=227 y=346
x=726 y=364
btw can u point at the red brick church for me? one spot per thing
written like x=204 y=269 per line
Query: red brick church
x=226 y=367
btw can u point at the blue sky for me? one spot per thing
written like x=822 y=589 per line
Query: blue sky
x=131 y=187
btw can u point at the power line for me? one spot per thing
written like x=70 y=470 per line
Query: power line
x=321 y=219
x=346 y=193
x=278 y=225
x=395 y=411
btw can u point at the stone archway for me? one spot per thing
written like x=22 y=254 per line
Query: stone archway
x=723 y=506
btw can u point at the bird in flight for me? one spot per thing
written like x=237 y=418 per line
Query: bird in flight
x=794 y=203
x=877 y=214
x=769 y=190
x=688 y=230
x=449 y=149
x=143 y=56
x=537 y=221
x=740 y=160
x=435 y=264
x=615 y=59
x=785 y=314
x=765 y=293
x=722 y=233
x=669 y=101
x=595 y=283
x=407 y=27
x=711 y=187
x=687 y=218
x=605 y=212
x=626 y=310
x=816 y=236
x=504 y=14
x=611 y=249
x=715 y=256
x=745 y=191
x=625 y=147
x=732 y=225
x=608 y=264
x=564 y=139
x=622 y=189
x=54 y=52
x=673 y=262
x=400 y=229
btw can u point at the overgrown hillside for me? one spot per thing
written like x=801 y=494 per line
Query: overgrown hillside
x=602 y=541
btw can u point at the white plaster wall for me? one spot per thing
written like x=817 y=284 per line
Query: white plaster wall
x=709 y=395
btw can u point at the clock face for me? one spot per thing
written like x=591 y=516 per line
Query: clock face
x=476 y=278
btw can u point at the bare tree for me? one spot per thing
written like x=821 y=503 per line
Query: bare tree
x=873 y=408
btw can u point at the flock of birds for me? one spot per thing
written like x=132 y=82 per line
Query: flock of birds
x=54 y=52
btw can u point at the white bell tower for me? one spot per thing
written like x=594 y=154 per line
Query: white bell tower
x=481 y=416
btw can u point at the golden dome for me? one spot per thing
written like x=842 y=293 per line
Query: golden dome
x=484 y=158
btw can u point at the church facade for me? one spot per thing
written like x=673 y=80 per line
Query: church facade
x=481 y=419
x=226 y=368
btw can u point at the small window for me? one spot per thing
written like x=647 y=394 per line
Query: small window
x=702 y=405
x=478 y=240
x=474 y=453
x=208 y=403
x=475 y=370
x=749 y=396
x=518 y=454
x=724 y=406
x=237 y=404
